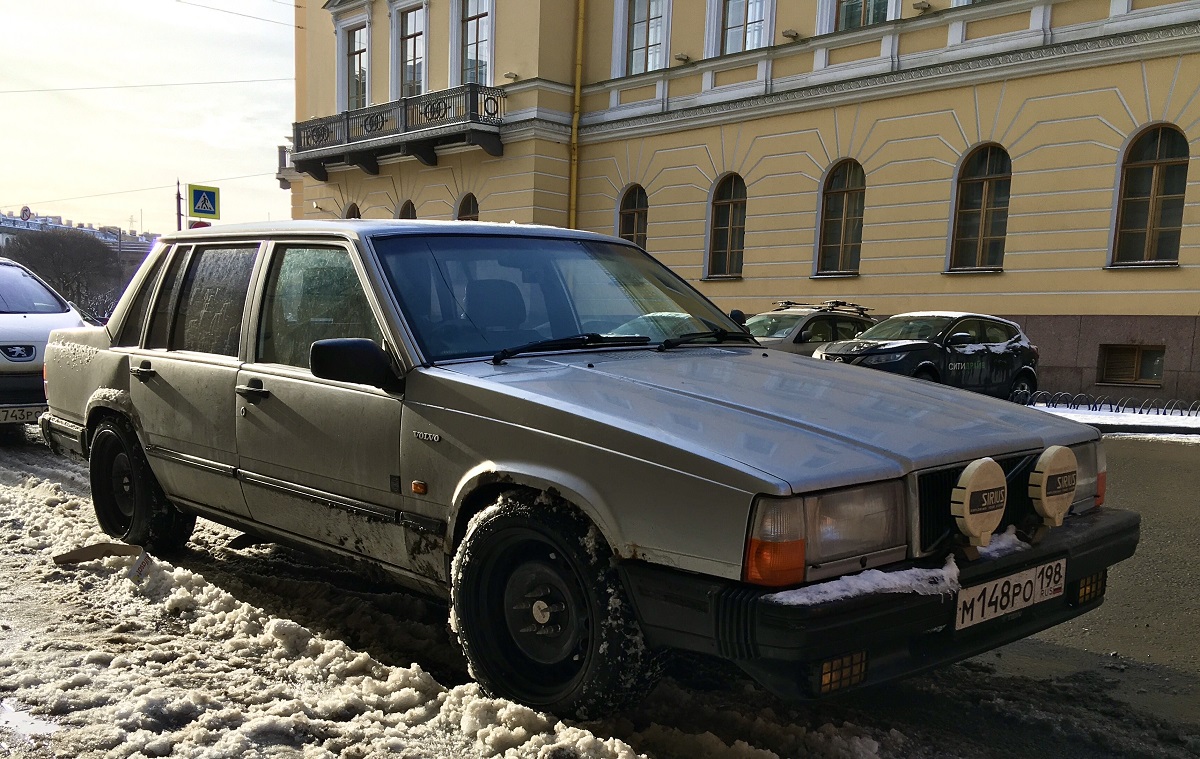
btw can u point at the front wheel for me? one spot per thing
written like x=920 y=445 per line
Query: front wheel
x=925 y=374
x=129 y=502
x=542 y=615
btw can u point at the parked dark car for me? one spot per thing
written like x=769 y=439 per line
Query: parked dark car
x=977 y=352
x=804 y=327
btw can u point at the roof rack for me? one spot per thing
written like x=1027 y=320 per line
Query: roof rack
x=828 y=305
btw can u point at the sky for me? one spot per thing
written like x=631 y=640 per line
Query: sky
x=90 y=132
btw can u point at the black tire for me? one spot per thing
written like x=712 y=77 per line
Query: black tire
x=1023 y=386
x=541 y=613
x=925 y=374
x=12 y=434
x=130 y=505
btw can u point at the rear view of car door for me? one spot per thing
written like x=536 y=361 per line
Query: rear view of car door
x=318 y=458
x=185 y=371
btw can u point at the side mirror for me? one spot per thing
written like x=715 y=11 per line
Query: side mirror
x=738 y=316
x=352 y=359
x=960 y=338
x=806 y=336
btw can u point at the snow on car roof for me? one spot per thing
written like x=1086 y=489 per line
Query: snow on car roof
x=953 y=315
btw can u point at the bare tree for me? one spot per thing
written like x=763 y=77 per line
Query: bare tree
x=80 y=267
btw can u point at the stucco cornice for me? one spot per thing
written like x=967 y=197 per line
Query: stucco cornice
x=1066 y=56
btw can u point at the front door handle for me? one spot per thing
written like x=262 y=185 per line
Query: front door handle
x=253 y=392
x=142 y=372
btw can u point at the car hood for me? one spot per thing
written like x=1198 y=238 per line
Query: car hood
x=31 y=329
x=810 y=424
x=854 y=347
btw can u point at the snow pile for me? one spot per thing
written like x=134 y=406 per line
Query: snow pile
x=179 y=666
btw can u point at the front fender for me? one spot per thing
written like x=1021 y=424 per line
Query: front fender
x=566 y=485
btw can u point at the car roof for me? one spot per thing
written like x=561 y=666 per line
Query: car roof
x=954 y=315
x=359 y=228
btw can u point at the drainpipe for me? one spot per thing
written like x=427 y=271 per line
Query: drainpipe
x=573 y=182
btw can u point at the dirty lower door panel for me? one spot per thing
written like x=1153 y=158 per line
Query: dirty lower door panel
x=320 y=459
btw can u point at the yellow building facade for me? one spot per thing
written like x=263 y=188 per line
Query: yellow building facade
x=1034 y=159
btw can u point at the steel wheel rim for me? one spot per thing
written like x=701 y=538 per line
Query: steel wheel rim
x=122 y=489
x=521 y=570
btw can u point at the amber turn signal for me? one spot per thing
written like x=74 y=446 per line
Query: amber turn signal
x=774 y=564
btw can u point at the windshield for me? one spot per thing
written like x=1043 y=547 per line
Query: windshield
x=471 y=296
x=772 y=325
x=907 y=328
x=20 y=293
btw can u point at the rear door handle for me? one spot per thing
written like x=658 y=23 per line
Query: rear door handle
x=253 y=392
x=142 y=372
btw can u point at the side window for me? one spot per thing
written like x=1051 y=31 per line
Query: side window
x=819 y=331
x=212 y=299
x=135 y=316
x=312 y=294
x=995 y=332
x=160 y=317
x=972 y=327
x=848 y=328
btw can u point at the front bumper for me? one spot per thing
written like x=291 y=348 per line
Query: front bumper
x=884 y=635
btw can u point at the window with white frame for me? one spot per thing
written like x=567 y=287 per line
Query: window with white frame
x=852 y=14
x=732 y=26
x=356 y=67
x=411 y=29
x=474 y=48
x=641 y=33
x=742 y=25
x=644 y=44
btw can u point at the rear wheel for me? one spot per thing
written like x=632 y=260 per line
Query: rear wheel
x=129 y=503
x=541 y=613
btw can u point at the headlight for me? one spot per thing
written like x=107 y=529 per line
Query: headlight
x=882 y=358
x=818 y=353
x=1091 y=478
x=789 y=534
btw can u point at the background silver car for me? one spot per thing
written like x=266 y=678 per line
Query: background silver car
x=802 y=328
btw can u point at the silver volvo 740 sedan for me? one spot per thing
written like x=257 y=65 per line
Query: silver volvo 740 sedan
x=505 y=416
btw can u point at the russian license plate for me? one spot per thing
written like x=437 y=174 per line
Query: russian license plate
x=1008 y=594
x=28 y=414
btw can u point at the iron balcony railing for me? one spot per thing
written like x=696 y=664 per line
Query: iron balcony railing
x=469 y=104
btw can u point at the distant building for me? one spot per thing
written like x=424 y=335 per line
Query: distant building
x=130 y=245
x=1030 y=158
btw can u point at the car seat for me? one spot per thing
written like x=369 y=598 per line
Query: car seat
x=496 y=308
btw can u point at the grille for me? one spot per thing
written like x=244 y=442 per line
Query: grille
x=22 y=389
x=935 y=488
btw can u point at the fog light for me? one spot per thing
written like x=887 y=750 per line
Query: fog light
x=1091 y=587
x=843 y=672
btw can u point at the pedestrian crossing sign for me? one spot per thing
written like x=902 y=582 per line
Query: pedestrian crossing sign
x=204 y=202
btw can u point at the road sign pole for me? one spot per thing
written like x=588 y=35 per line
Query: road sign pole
x=178 y=207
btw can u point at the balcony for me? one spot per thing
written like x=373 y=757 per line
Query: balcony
x=468 y=115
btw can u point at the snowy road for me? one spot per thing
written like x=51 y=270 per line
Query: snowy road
x=259 y=652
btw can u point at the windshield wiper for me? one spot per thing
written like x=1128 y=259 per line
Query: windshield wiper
x=721 y=335
x=583 y=340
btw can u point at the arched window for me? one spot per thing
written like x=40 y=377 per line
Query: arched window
x=728 y=237
x=407 y=211
x=352 y=212
x=468 y=208
x=842 y=219
x=634 y=208
x=1150 y=214
x=981 y=213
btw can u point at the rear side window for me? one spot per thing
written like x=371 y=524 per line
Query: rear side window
x=131 y=329
x=212 y=299
x=20 y=293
